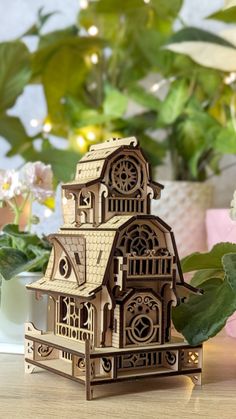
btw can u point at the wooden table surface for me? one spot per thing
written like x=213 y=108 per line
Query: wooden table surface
x=45 y=395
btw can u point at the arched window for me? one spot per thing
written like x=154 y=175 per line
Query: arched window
x=84 y=199
x=138 y=239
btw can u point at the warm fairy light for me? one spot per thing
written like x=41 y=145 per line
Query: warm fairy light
x=83 y=4
x=230 y=78
x=80 y=141
x=47 y=212
x=47 y=126
x=155 y=87
x=93 y=30
x=34 y=122
x=94 y=58
x=146 y=1
x=91 y=136
x=92 y=86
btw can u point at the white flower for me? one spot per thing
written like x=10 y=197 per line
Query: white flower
x=233 y=207
x=37 y=178
x=10 y=185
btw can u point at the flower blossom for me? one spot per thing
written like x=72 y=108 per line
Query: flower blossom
x=37 y=178
x=10 y=185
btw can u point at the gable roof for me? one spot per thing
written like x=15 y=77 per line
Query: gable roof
x=90 y=169
x=99 y=248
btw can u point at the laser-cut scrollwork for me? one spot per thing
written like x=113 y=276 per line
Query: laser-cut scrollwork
x=106 y=364
x=44 y=350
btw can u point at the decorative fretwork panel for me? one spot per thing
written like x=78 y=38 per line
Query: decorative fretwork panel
x=66 y=356
x=139 y=360
x=190 y=358
x=138 y=239
x=125 y=175
x=75 y=322
x=148 y=360
x=142 y=319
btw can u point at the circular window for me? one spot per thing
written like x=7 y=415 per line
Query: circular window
x=65 y=267
x=141 y=329
x=125 y=176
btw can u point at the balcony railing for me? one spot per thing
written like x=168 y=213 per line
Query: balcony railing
x=125 y=205
x=149 y=266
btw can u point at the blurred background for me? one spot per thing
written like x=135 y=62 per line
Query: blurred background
x=78 y=72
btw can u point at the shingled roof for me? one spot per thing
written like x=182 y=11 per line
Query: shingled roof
x=91 y=167
x=100 y=245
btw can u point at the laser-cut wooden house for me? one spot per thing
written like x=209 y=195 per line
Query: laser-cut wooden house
x=112 y=278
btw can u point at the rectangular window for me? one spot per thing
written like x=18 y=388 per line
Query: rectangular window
x=99 y=257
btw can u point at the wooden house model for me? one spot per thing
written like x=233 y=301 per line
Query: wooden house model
x=112 y=278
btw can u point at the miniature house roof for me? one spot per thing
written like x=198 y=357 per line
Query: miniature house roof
x=91 y=167
x=100 y=243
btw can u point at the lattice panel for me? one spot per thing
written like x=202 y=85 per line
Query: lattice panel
x=73 y=322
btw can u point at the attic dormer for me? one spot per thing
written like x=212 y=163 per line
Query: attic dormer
x=113 y=178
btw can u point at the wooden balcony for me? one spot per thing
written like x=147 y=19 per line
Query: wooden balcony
x=126 y=205
x=151 y=266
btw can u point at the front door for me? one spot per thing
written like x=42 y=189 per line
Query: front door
x=142 y=320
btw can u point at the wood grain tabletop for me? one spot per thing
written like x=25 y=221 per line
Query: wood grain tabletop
x=45 y=395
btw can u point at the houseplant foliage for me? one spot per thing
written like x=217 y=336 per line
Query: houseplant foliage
x=21 y=251
x=87 y=97
x=216 y=52
x=203 y=316
x=107 y=55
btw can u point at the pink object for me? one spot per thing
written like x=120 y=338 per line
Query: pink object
x=230 y=327
x=220 y=228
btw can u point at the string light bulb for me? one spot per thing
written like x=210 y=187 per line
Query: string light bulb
x=47 y=126
x=93 y=30
x=91 y=136
x=155 y=87
x=81 y=143
x=34 y=122
x=94 y=58
x=146 y=1
x=83 y=4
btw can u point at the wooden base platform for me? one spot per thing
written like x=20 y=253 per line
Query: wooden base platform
x=95 y=366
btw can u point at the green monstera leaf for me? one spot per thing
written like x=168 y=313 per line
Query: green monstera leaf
x=203 y=316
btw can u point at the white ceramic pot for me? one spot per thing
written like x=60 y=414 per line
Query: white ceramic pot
x=183 y=206
x=17 y=306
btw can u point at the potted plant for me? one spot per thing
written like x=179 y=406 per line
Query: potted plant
x=214 y=274
x=104 y=90
x=216 y=54
x=203 y=316
x=23 y=255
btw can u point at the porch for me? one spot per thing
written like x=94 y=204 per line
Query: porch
x=95 y=366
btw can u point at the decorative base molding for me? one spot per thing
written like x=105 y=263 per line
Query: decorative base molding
x=92 y=366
